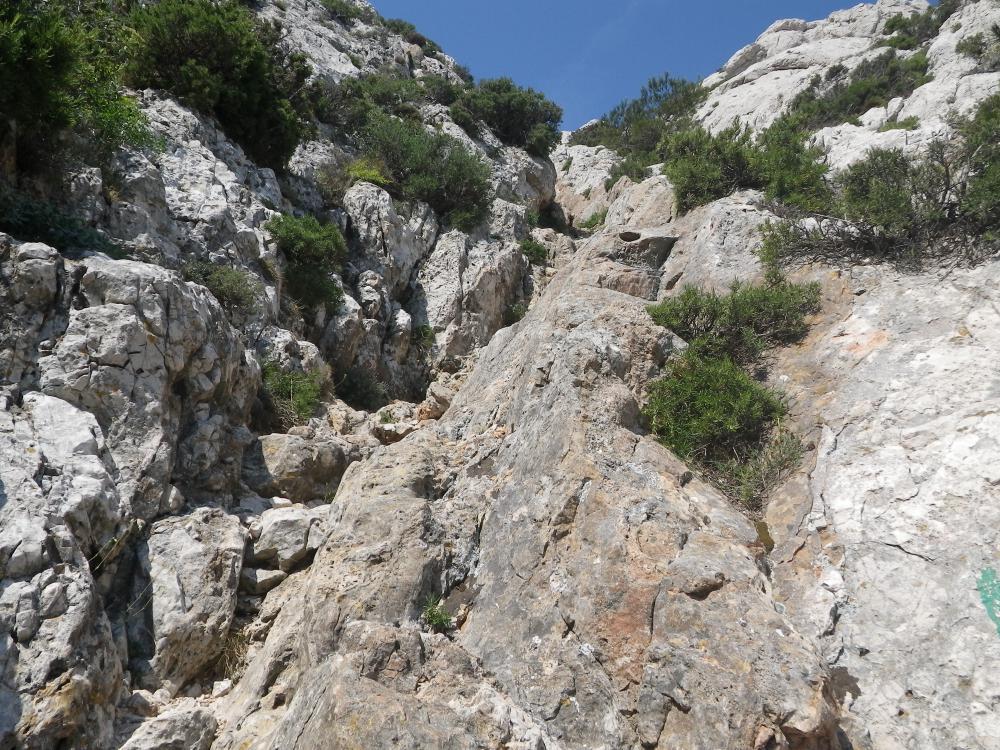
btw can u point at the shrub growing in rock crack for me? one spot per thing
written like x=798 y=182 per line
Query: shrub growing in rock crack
x=518 y=116
x=31 y=219
x=218 y=59
x=708 y=408
x=236 y=290
x=313 y=252
x=536 y=253
x=291 y=397
x=436 y=616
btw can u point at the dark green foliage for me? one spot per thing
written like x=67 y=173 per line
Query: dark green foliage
x=60 y=69
x=872 y=84
x=430 y=167
x=292 y=397
x=313 y=252
x=518 y=116
x=218 y=59
x=942 y=206
x=534 y=251
x=911 y=31
x=980 y=156
x=907 y=123
x=703 y=167
x=435 y=615
x=362 y=389
x=440 y=90
x=636 y=127
x=409 y=32
x=877 y=191
x=792 y=171
x=632 y=166
x=515 y=313
x=709 y=410
x=984 y=48
x=595 y=220
x=742 y=324
x=31 y=220
x=237 y=291
x=344 y=11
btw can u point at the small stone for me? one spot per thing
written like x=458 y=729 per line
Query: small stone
x=222 y=688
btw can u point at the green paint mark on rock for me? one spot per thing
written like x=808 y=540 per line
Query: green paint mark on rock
x=989 y=592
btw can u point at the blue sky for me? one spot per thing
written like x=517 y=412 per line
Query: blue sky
x=587 y=55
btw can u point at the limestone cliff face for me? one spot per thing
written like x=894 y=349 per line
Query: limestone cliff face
x=171 y=578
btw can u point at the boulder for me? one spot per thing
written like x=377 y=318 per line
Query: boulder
x=295 y=467
x=288 y=536
x=184 y=597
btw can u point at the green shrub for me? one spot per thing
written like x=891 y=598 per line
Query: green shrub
x=636 y=127
x=518 y=116
x=344 y=11
x=218 y=59
x=980 y=158
x=515 y=313
x=751 y=479
x=907 y=123
x=292 y=397
x=742 y=324
x=793 y=172
x=435 y=615
x=634 y=167
x=440 y=90
x=60 y=69
x=362 y=389
x=595 y=220
x=872 y=84
x=237 y=291
x=409 y=32
x=703 y=167
x=31 y=220
x=535 y=251
x=313 y=252
x=984 y=48
x=367 y=170
x=877 y=191
x=430 y=167
x=423 y=336
x=910 y=31
x=709 y=410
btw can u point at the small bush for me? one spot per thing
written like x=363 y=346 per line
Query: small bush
x=751 y=479
x=367 y=170
x=292 y=397
x=980 y=158
x=518 y=116
x=792 y=172
x=344 y=11
x=430 y=167
x=535 y=251
x=742 y=324
x=907 y=123
x=910 y=31
x=435 y=615
x=237 y=291
x=60 y=70
x=636 y=127
x=703 y=167
x=423 y=336
x=409 y=32
x=218 y=59
x=440 y=90
x=515 y=313
x=314 y=253
x=634 y=167
x=595 y=220
x=31 y=220
x=709 y=410
x=872 y=84
x=362 y=389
